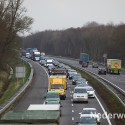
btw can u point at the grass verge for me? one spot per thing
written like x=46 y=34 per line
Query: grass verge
x=111 y=101
x=13 y=84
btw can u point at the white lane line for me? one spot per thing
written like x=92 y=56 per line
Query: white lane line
x=72 y=118
x=72 y=91
x=72 y=105
x=72 y=110
x=103 y=110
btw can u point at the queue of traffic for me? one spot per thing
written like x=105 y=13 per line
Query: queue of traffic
x=59 y=76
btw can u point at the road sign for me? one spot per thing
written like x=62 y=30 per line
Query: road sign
x=20 y=72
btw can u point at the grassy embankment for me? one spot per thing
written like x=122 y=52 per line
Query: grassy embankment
x=111 y=101
x=12 y=85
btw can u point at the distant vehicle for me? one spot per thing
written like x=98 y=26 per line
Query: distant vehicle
x=95 y=65
x=36 y=56
x=84 y=59
x=80 y=94
x=90 y=112
x=90 y=91
x=42 y=61
x=49 y=62
x=59 y=71
x=113 y=66
x=71 y=73
x=28 y=55
x=52 y=97
x=50 y=68
x=102 y=71
x=42 y=54
x=75 y=78
x=81 y=81
x=87 y=120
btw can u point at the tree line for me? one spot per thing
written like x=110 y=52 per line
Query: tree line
x=93 y=38
x=12 y=22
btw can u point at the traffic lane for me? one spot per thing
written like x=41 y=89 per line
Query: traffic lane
x=38 y=89
x=66 y=117
x=118 y=80
x=77 y=107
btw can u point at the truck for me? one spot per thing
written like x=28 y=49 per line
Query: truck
x=36 y=56
x=113 y=66
x=84 y=59
x=58 y=84
x=35 y=114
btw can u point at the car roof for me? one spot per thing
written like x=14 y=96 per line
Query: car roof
x=79 y=87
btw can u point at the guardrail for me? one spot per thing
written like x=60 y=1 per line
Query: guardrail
x=16 y=97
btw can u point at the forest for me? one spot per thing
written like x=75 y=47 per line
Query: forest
x=93 y=38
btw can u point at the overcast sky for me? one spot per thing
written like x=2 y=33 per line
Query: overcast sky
x=62 y=14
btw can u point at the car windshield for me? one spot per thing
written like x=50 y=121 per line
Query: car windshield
x=88 y=120
x=80 y=90
x=37 y=55
x=90 y=89
x=52 y=102
x=52 y=95
x=89 y=111
x=57 y=86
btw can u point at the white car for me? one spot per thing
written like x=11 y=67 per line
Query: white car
x=90 y=91
x=91 y=112
x=80 y=94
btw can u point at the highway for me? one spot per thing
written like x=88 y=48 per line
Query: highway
x=118 y=80
x=38 y=89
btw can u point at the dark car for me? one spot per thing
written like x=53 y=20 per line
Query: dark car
x=75 y=78
x=71 y=73
x=102 y=71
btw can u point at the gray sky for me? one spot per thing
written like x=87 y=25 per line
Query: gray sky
x=62 y=14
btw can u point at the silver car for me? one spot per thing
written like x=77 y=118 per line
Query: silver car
x=87 y=120
x=92 y=112
x=80 y=94
x=90 y=91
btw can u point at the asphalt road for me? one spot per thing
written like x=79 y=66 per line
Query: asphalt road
x=118 y=80
x=35 y=95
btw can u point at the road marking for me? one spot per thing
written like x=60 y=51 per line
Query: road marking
x=73 y=118
x=72 y=105
x=72 y=110
x=104 y=111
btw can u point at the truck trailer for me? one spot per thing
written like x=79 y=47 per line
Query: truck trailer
x=58 y=84
x=113 y=66
x=84 y=59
